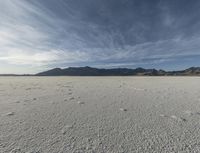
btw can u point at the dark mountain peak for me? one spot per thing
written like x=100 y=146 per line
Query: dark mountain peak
x=83 y=68
x=52 y=72
x=160 y=70
x=139 y=69
x=57 y=69
x=193 y=69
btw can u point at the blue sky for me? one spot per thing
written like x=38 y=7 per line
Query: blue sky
x=37 y=35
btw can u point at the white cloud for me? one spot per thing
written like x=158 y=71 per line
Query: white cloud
x=19 y=57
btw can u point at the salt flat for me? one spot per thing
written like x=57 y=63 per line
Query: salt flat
x=99 y=114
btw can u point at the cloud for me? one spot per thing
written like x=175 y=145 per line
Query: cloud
x=95 y=32
x=39 y=58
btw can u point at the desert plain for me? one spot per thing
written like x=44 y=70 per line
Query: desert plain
x=99 y=114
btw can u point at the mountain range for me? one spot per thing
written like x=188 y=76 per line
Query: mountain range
x=90 y=71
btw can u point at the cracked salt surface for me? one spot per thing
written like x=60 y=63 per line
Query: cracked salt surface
x=119 y=114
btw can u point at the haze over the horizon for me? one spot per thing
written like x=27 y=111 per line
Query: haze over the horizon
x=37 y=35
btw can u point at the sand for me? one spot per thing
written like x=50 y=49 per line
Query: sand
x=99 y=114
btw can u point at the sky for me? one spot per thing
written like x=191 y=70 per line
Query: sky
x=37 y=35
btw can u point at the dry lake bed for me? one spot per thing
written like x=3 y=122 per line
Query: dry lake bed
x=99 y=114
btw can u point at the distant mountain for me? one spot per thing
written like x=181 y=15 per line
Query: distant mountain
x=192 y=71
x=89 y=71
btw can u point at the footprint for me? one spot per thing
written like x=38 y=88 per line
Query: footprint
x=192 y=113
x=66 y=128
x=183 y=119
x=163 y=115
x=174 y=117
x=10 y=114
x=72 y=98
x=189 y=113
x=123 y=109
x=80 y=102
x=178 y=118
x=139 y=89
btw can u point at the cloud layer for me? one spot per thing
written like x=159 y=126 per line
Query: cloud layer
x=39 y=35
